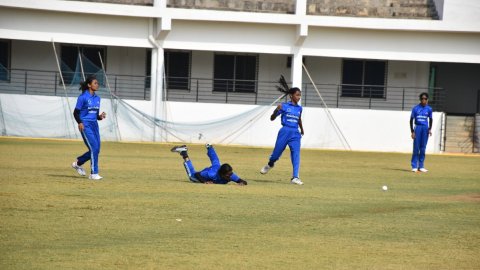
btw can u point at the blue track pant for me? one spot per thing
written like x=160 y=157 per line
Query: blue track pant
x=291 y=137
x=190 y=169
x=419 y=146
x=91 y=138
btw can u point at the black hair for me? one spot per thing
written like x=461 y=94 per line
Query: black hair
x=423 y=94
x=224 y=169
x=284 y=88
x=88 y=80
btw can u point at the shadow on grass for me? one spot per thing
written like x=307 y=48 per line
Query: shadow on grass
x=66 y=176
x=398 y=169
x=283 y=181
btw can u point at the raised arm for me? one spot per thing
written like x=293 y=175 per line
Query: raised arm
x=275 y=112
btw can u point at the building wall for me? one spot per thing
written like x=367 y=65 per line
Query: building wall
x=462 y=82
x=75 y=28
x=126 y=61
x=33 y=55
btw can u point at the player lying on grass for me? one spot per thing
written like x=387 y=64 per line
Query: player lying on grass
x=215 y=174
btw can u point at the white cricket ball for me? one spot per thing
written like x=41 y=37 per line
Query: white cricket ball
x=385 y=188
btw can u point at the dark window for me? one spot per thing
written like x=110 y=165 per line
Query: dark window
x=4 y=60
x=177 y=69
x=364 y=78
x=148 y=68
x=90 y=61
x=235 y=73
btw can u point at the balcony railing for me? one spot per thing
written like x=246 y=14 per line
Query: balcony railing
x=48 y=83
x=334 y=95
x=35 y=82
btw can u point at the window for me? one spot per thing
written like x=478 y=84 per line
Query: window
x=72 y=68
x=235 y=73
x=177 y=69
x=4 y=60
x=148 y=68
x=364 y=78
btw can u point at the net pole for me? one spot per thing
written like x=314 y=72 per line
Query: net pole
x=113 y=99
x=81 y=64
x=329 y=114
x=63 y=84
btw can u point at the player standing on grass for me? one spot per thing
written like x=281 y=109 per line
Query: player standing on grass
x=215 y=174
x=86 y=114
x=291 y=116
x=422 y=116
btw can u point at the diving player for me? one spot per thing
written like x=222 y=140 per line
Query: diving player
x=215 y=174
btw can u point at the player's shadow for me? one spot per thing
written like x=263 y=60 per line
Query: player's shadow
x=397 y=169
x=64 y=176
x=269 y=181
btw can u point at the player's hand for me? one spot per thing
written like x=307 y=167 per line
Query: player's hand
x=301 y=132
x=242 y=182
x=81 y=127
x=209 y=182
x=429 y=133
x=413 y=135
x=103 y=115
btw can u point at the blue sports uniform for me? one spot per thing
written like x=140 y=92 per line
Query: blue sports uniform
x=89 y=107
x=209 y=173
x=288 y=135
x=420 y=114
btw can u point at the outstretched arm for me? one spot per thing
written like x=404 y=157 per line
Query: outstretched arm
x=238 y=180
x=275 y=112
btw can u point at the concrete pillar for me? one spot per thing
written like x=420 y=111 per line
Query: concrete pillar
x=297 y=69
x=301 y=7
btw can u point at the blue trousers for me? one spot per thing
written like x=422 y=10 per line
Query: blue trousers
x=419 y=146
x=212 y=170
x=291 y=137
x=91 y=138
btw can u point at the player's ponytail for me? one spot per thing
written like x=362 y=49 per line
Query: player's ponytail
x=84 y=84
x=284 y=88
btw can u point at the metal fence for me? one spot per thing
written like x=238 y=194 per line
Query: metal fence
x=48 y=83
x=334 y=95
x=36 y=82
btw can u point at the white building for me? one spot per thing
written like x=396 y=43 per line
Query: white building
x=220 y=61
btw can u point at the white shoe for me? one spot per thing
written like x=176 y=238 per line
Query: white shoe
x=414 y=170
x=79 y=169
x=423 y=170
x=95 y=177
x=179 y=149
x=265 y=169
x=207 y=145
x=296 y=181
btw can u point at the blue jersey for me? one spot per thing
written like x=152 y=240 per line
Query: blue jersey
x=291 y=114
x=89 y=106
x=212 y=174
x=421 y=114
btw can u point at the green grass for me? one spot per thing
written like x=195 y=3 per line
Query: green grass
x=146 y=215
